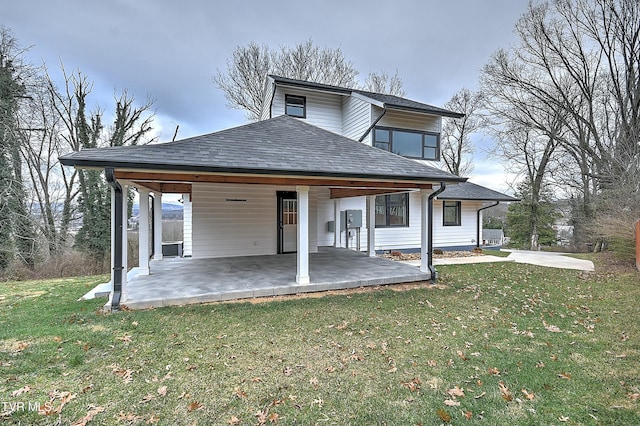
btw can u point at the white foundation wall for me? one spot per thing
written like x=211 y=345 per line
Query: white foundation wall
x=240 y=220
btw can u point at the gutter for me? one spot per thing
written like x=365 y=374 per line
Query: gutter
x=117 y=255
x=433 y=195
x=384 y=111
x=478 y=221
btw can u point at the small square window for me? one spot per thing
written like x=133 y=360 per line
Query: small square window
x=295 y=106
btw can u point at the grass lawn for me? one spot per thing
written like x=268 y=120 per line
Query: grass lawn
x=492 y=344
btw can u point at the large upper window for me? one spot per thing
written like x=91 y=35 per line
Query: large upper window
x=409 y=143
x=392 y=210
x=295 y=106
x=451 y=212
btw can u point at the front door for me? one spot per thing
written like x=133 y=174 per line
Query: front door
x=287 y=222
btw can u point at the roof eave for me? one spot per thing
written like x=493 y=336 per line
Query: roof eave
x=440 y=113
x=97 y=164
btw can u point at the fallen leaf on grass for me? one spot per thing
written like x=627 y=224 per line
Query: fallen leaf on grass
x=127 y=375
x=456 y=391
x=494 y=371
x=128 y=417
x=162 y=390
x=195 y=405
x=565 y=376
x=273 y=417
x=563 y=419
x=480 y=396
x=314 y=382
x=126 y=339
x=233 y=420
x=529 y=396
x=88 y=417
x=413 y=385
x=552 y=328
x=634 y=396
x=148 y=397
x=467 y=415
x=18 y=392
x=506 y=393
x=451 y=402
x=152 y=419
x=444 y=416
x=64 y=397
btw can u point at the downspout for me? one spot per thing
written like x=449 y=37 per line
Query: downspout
x=478 y=221
x=117 y=255
x=433 y=195
x=384 y=111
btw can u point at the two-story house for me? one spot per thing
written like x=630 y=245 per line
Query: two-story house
x=326 y=167
x=398 y=125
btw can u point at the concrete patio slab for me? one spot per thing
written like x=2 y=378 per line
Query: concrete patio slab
x=179 y=281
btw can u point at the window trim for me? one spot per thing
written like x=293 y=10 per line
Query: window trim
x=304 y=105
x=387 y=208
x=423 y=133
x=458 y=207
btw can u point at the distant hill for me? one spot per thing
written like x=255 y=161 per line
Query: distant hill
x=170 y=211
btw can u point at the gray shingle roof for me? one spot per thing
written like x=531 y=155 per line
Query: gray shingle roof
x=281 y=145
x=471 y=191
x=389 y=101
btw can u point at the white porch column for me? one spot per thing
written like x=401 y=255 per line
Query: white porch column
x=302 y=275
x=371 y=225
x=187 y=235
x=125 y=241
x=424 y=230
x=336 y=220
x=157 y=226
x=143 y=232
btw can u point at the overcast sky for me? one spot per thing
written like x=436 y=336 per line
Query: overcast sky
x=170 y=50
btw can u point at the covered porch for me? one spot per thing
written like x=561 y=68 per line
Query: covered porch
x=180 y=281
x=233 y=180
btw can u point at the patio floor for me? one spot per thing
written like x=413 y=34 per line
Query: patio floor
x=180 y=281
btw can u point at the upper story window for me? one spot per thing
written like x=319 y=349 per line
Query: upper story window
x=408 y=143
x=451 y=213
x=295 y=106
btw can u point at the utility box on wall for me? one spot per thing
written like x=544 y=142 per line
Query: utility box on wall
x=350 y=219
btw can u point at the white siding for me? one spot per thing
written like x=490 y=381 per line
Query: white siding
x=223 y=227
x=409 y=237
x=356 y=117
x=323 y=110
x=187 y=227
x=268 y=97
x=324 y=214
x=463 y=235
x=408 y=120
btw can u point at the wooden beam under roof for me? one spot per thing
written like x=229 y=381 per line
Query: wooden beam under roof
x=166 y=187
x=359 y=192
x=143 y=178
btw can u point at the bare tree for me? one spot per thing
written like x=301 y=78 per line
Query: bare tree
x=381 y=82
x=247 y=70
x=456 y=145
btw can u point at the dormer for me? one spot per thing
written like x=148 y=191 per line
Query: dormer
x=403 y=126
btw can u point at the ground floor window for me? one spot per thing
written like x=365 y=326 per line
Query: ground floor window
x=392 y=210
x=451 y=213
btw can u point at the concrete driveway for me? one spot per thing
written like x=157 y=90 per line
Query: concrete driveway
x=540 y=258
x=550 y=259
